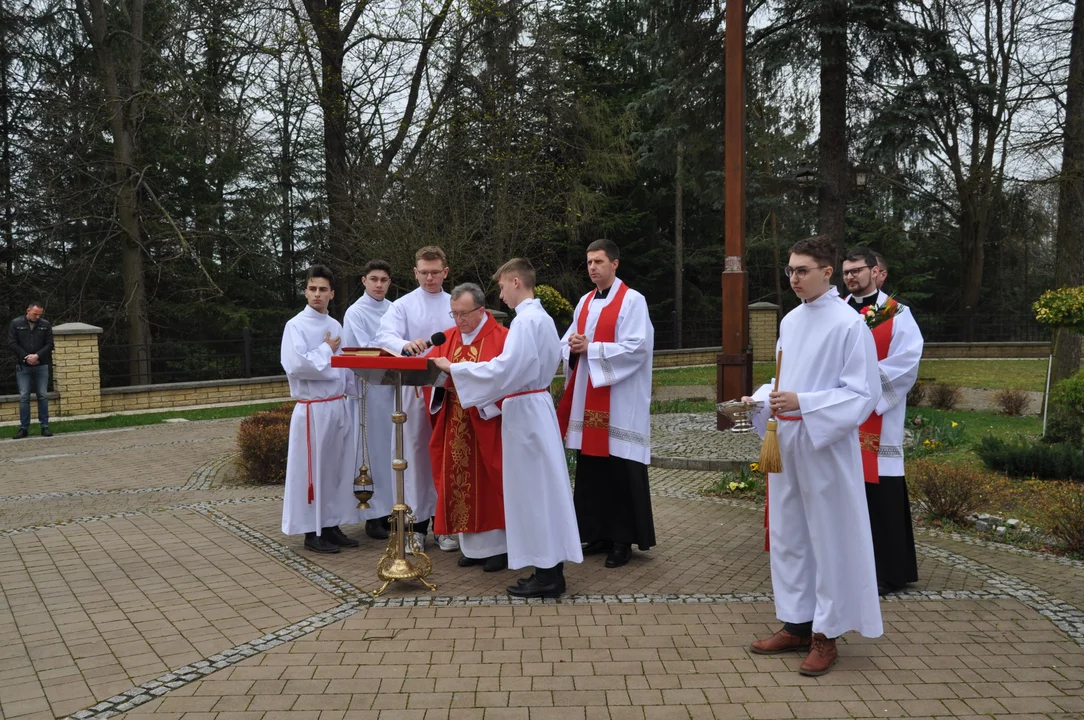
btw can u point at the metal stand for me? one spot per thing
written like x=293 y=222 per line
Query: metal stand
x=394 y=564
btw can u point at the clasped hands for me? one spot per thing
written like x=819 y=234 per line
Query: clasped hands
x=779 y=401
x=577 y=343
x=32 y=359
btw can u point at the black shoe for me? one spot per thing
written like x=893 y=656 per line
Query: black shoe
x=535 y=588
x=619 y=555
x=45 y=432
x=320 y=544
x=376 y=529
x=20 y=435
x=560 y=572
x=465 y=561
x=884 y=588
x=598 y=547
x=496 y=562
x=338 y=537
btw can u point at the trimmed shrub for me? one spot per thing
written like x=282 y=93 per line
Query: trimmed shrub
x=1065 y=514
x=1026 y=458
x=917 y=394
x=950 y=492
x=264 y=438
x=1066 y=420
x=944 y=396
x=1011 y=402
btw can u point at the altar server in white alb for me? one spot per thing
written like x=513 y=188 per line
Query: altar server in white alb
x=899 y=351
x=406 y=328
x=823 y=573
x=360 y=325
x=605 y=412
x=540 y=520
x=319 y=493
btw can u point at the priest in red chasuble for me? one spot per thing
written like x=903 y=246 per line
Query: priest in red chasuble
x=465 y=449
x=899 y=351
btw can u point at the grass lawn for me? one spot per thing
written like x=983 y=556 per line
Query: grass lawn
x=983 y=374
x=120 y=421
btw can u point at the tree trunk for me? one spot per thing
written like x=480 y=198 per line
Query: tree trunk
x=832 y=144
x=329 y=35
x=679 y=245
x=124 y=116
x=1069 y=241
x=974 y=227
x=5 y=153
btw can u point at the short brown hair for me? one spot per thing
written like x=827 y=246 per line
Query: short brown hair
x=819 y=247
x=376 y=265
x=431 y=252
x=607 y=246
x=521 y=268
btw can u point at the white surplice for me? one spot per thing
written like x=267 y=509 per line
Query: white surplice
x=417 y=314
x=360 y=325
x=625 y=366
x=821 y=546
x=899 y=372
x=325 y=439
x=539 y=517
x=485 y=544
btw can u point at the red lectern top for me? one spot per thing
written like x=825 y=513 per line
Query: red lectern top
x=371 y=359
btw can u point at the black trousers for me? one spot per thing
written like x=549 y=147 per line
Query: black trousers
x=613 y=501
x=893 y=533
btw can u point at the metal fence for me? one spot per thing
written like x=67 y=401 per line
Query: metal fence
x=695 y=332
x=193 y=360
x=1002 y=327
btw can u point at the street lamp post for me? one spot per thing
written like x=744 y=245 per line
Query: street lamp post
x=734 y=369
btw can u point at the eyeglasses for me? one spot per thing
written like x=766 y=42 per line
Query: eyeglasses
x=855 y=271
x=456 y=315
x=800 y=271
x=429 y=273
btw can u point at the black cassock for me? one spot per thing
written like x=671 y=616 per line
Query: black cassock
x=613 y=501
x=893 y=534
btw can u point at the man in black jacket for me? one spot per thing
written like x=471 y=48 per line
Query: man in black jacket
x=30 y=337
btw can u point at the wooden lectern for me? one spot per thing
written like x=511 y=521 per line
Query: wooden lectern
x=379 y=367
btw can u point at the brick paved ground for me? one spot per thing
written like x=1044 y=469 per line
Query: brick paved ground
x=134 y=581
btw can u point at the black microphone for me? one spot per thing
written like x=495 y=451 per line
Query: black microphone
x=437 y=339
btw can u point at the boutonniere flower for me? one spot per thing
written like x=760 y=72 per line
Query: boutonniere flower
x=877 y=314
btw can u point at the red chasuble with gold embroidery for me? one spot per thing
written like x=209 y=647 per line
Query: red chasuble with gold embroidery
x=465 y=449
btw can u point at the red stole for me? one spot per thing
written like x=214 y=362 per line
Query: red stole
x=596 y=407
x=869 y=432
x=465 y=450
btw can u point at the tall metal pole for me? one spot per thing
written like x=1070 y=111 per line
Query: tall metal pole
x=735 y=364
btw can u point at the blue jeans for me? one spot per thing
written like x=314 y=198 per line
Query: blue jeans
x=34 y=377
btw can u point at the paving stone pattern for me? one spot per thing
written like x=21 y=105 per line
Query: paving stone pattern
x=145 y=586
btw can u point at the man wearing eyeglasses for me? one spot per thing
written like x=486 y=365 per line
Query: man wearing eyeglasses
x=466 y=449
x=899 y=350
x=823 y=572
x=406 y=328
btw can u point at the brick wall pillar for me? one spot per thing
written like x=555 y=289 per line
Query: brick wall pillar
x=763 y=330
x=75 y=369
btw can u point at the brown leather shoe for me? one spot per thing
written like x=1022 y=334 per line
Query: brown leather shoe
x=822 y=656
x=781 y=642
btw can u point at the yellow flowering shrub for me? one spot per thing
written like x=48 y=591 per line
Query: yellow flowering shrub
x=1061 y=308
x=554 y=303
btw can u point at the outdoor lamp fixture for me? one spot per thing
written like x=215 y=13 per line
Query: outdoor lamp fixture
x=805 y=175
x=861 y=177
